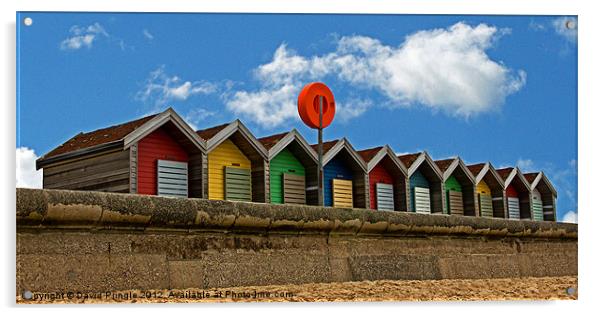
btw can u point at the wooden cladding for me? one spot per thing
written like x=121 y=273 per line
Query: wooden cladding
x=226 y=155
x=384 y=197
x=108 y=171
x=237 y=184
x=342 y=193
x=486 y=205
x=285 y=163
x=172 y=178
x=455 y=202
x=422 y=200
x=293 y=188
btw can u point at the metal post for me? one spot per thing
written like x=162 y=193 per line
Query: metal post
x=320 y=168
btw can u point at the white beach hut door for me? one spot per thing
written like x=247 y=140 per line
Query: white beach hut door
x=422 y=200
x=172 y=178
x=486 y=203
x=384 y=197
x=513 y=208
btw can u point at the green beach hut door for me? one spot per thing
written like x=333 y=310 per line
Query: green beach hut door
x=384 y=197
x=537 y=206
x=293 y=187
x=237 y=184
x=422 y=198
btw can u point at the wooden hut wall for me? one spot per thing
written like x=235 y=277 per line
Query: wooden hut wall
x=416 y=180
x=524 y=195
x=158 y=145
x=378 y=174
x=402 y=188
x=195 y=175
x=107 y=171
x=485 y=199
x=425 y=176
x=336 y=168
x=514 y=209
x=283 y=163
x=467 y=186
x=435 y=187
x=537 y=205
x=387 y=170
x=227 y=154
x=311 y=170
x=549 y=202
x=260 y=168
x=498 y=195
x=454 y=204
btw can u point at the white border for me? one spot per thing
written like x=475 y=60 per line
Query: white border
x=589 y=142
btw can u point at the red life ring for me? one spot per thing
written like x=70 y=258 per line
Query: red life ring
x=308 y=105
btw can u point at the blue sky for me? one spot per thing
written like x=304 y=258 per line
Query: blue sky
x=487 y=88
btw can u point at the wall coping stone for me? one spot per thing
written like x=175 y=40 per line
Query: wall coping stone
x=64 y=209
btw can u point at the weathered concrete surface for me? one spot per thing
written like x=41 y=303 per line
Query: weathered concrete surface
x=90 y=241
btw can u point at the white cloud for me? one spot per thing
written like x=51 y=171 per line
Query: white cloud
x=147 y=34
x=27 y=175
x=270 y=107
x=352 y=108
x=442 y=69
x=570 y=217
x=82 y=36
x=160 y=88
x=566 y=27
x=536 y=26
x=526 y=165
x=195 y=116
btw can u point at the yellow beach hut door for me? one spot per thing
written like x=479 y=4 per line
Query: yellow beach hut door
x=342 y=193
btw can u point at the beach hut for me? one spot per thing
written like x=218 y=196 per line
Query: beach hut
x=156 y=155
x=518 y=193
x=490 y=192
x=387 y=178
x=345 y=176
x=425 y=183
x=293 y=169
x=237 y=164
x=459 y=185
x=543 y=196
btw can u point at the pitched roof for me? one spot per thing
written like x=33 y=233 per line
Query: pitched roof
x=476 y=168
x=531 y=176
x=368 y=154
x=98 y=137
x=443 y=164
x=208 y=133
x=409 y=159
x=505 y=172
x=269 y=141
x=326 y=146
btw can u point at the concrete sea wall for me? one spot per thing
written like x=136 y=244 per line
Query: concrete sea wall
x=92 y=241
